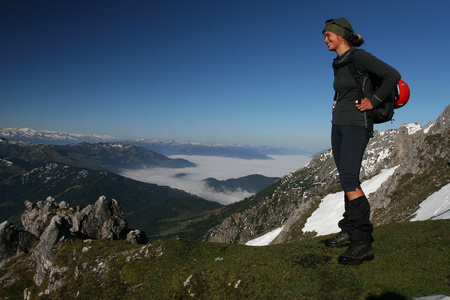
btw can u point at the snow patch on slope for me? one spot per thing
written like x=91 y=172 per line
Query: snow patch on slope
x=435 y=207
x=265 y=239
x=324 y=219
x=412 y=128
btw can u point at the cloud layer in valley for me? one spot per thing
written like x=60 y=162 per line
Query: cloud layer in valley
x=220 y=168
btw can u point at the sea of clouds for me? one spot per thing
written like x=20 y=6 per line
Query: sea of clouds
x=220 y=168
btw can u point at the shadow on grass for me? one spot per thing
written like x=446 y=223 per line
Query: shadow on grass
x=387 y=296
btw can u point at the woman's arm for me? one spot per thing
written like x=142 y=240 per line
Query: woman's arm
x=379 y=68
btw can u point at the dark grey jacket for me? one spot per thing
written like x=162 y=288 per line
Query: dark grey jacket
x=370 y=68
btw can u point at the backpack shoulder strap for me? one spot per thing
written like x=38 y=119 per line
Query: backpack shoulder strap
x=356 y=76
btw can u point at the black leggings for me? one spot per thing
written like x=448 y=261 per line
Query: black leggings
x=348 y=143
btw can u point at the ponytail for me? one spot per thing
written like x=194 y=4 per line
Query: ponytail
x=356 y=40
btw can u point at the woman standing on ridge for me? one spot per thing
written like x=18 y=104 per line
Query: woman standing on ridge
x=352 y=128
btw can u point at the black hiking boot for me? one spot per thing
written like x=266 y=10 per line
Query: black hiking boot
x=356 y=253
x=340 y=240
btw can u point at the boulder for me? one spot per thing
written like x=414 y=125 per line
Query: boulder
x=137 y=237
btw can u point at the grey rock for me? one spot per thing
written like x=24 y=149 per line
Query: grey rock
x=50 y=243
x=63 y=205
x=104 y=220
x=14 y=242
x=35 y=217
x=137 y=237
x=49 y=224
x=442 y=123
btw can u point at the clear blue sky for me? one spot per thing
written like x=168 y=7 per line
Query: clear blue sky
x=215 y=71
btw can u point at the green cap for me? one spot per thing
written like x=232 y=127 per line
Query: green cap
x=339 y=26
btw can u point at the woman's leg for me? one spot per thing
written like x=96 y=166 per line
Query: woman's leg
x=349 y=144
x=352 y=144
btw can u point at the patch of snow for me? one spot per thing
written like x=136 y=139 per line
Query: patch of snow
x=6 y=162
x=435 y=207
x=326 y=155
x=432 y=297
x=385 y=153
x=413 y=127
x=265 y=240
x=324 y=219
x=428 y=127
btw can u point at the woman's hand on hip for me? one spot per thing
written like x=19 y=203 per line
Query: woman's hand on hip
x=365 y=105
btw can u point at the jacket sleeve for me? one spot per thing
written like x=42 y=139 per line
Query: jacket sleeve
x=388 y=75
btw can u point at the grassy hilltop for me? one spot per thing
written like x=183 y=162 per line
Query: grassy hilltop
x=411 y=260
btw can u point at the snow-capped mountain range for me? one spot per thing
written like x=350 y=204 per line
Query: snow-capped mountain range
x=52 y=137
x=166 y=147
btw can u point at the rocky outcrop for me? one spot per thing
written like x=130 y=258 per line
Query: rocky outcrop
x=441 y=124
x=104 y=220
x=49 y=224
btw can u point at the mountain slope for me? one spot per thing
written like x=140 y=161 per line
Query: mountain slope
x=180 y=217
x=78 y=187
x=251 y=183
x=225 y=151
x=99 y=156
x=159 y=211
x=420 y=154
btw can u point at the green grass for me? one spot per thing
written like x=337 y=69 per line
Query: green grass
x=411 y=260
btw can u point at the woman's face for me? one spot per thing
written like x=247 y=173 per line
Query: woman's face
x=332 y=40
